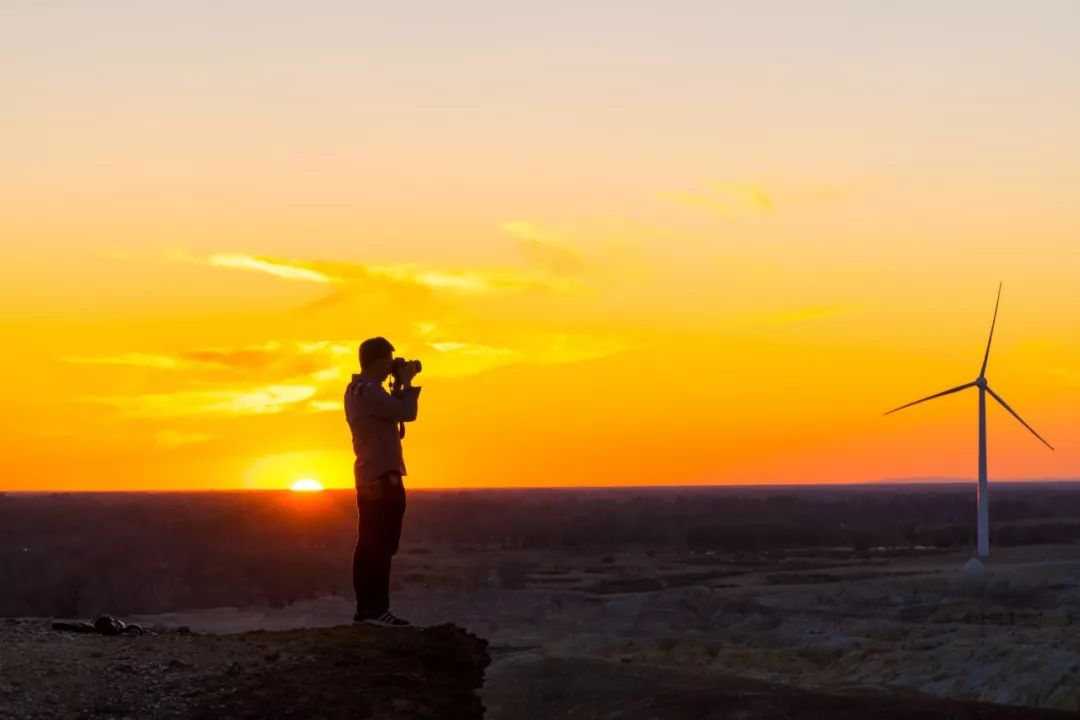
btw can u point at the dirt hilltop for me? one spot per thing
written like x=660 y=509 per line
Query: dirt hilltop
x=393 y=674
x=338 y=672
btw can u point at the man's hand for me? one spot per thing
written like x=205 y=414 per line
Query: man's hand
x=405 y=377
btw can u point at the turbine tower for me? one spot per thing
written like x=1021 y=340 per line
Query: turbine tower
x=982 y=550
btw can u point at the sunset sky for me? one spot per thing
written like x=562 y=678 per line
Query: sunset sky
x=632 y=243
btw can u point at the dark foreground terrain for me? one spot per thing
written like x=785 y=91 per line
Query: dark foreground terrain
x=364 y=672
x=632 y=603
x=339 y=672
x=646 y=692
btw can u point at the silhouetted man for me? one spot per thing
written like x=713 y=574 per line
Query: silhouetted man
x=374 y=417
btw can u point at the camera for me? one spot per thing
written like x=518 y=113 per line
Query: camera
x=400 y=365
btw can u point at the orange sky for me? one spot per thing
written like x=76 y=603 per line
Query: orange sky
x=661 y=244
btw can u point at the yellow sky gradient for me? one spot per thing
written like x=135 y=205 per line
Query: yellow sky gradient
x=631 y=244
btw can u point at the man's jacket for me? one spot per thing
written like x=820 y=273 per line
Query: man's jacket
x=373 y=415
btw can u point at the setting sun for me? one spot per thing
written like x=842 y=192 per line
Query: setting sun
x=306 y=485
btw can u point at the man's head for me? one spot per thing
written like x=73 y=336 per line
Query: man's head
x=376 y=358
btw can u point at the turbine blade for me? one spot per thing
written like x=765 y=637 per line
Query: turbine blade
x=1013 y=413
x=986 y=357
x=958 y=388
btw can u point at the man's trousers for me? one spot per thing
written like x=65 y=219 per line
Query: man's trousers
x=381 y=507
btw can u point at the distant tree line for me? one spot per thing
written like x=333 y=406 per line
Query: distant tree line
x=76 y=555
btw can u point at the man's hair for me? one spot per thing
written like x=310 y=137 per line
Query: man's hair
x=374 y=349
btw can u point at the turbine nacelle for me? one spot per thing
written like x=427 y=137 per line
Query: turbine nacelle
x=980 y=382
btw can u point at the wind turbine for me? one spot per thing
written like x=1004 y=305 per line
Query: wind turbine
x=983 y=546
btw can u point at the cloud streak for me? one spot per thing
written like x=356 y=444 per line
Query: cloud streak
x=545 y=249
x=289 y=270
x=296 y=357
x=456 y=358
x=163 y=362
x=731 y=199
x=173 y=438
x=466 y=281
x=727 y=198
x=268 y=399
x=282 y=376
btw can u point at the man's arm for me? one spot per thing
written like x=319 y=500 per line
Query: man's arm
x=382 y=404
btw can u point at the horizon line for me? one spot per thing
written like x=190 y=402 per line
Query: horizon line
x=748 y=486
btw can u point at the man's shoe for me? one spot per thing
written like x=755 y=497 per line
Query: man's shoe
x=387 y=619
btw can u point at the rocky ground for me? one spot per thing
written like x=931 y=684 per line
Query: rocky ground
x=336 y=672
x=585 y=689
x=635 y=634
x=569 y=637
x=365 y=672
x=824 y=621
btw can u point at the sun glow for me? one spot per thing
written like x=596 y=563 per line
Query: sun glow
x=306 y=485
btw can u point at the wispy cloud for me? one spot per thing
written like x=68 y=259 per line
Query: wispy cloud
x=472 y=281
x=425 y=328
x=249 y=357
x=469 y=348
x=325 y=406
x=456 y=358
x=173 y=438
x=545 y=249
x=287 y=269
x=266 y=378
x=128 y=359
x=731 y=199
x=292 y=358
x=260 y=400
x=469 y=281
x=727 y=198
x=307 y=376
x=563 y=348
